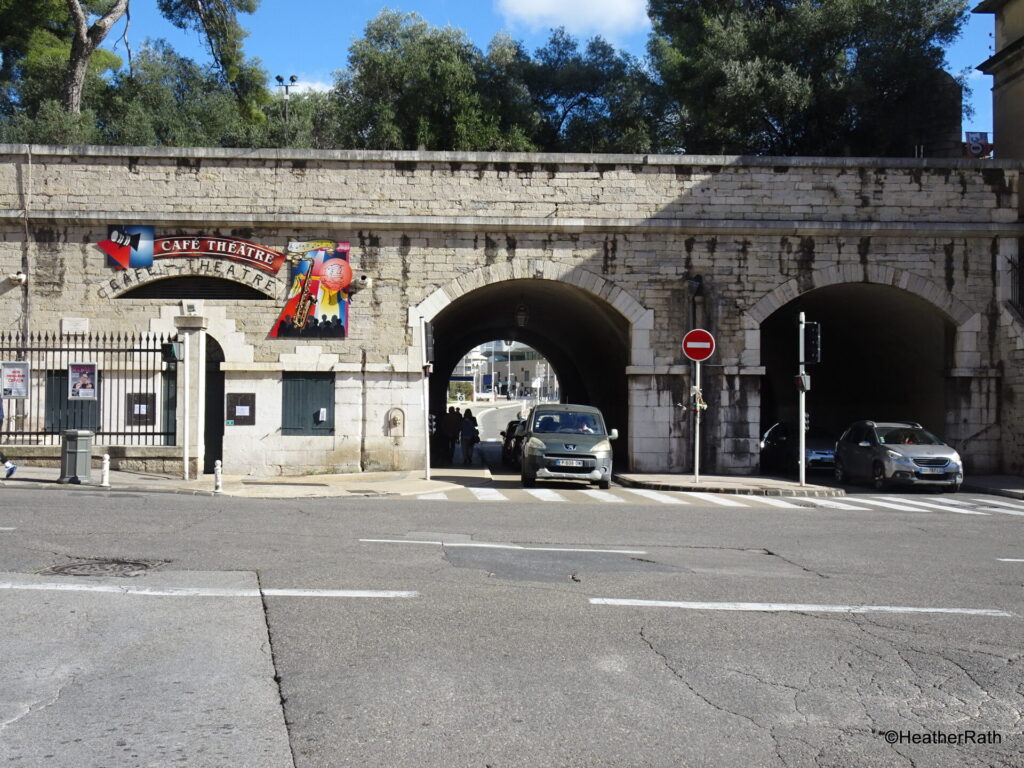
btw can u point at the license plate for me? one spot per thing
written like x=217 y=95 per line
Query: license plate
x=568 y=463
x=932 y=470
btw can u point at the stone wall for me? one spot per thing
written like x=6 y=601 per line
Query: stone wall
x=760 y=231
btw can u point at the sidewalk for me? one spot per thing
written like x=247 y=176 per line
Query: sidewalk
x=413 y=483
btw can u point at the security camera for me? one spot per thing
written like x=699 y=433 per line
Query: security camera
x=363 y=281
x=18 y=278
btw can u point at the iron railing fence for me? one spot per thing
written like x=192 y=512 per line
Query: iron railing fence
x=136 y=389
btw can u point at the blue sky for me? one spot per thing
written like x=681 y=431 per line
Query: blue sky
x=310 y=38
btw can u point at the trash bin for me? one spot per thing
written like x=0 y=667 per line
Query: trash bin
x=76 y=457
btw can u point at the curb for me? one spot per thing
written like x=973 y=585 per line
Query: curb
x=658 y=486
x=1007 y=492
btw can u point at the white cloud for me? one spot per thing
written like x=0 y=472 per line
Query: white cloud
x=610 y=18
x=313 y=85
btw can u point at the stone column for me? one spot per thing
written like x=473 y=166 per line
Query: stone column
x=192 y=390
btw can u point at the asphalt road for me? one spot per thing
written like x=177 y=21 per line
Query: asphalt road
x=232 y=644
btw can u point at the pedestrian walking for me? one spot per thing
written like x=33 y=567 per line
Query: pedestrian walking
x=470 y=436
x=9 y=466
x=452 y=428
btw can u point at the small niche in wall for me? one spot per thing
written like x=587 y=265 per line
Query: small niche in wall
x=241 y=409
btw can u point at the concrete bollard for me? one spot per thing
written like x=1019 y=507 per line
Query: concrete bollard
x=218 y=480
x=105 y=471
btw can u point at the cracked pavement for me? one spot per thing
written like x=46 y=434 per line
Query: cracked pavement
x=502 y=660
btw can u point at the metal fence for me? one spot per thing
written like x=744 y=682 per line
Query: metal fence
x=1017 y=279
x=135 y=389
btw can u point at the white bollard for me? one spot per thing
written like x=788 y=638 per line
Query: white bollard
x=105 y=471
x=217 y=479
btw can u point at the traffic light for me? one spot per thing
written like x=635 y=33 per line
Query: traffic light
x=807 y=421
x=812 y=343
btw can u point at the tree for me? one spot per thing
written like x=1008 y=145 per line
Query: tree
x=806 y=76
x=85 y=39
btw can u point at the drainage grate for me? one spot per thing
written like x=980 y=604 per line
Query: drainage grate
x=126 y=568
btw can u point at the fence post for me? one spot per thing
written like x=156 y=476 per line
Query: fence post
x=105 y=471
x=217 y=478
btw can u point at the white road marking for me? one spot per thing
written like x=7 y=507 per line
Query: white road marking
x=994 y=503
x=1017 y=512
x=135 y=589
x=795 y=607
x=434 y=496
x=1010 y=559
x=830 y=503
x=544 y=494
x=888 y=504
x=944 y=507
x=8 y=529
x=486 y=545
x=488 y=494
x=655 y=496
x=604 y=496
x=716 y=498
x=771 y=501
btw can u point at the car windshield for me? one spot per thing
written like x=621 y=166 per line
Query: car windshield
x=901 y=435
x=568 y=422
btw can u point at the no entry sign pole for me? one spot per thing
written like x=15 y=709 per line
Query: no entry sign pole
x=698 y=345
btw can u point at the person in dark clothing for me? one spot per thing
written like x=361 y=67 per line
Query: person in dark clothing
x=451 y=428
x=469 y=435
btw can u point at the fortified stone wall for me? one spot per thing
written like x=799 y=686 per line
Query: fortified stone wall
x=759 y=231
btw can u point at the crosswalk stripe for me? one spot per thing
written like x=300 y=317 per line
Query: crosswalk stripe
x=488 y=494
x=603 y=496
x=655 y=496
x=771 y=501
x=722 y=500
x=888 y=504
x=433 y=496
x=545 y=494
x=993 y=502
x=943 y=507
x=829 y=503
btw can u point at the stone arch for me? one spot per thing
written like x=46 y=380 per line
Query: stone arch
x=128 y=280
x=639 y=317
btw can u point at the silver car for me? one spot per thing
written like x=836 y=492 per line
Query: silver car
x=566 y=442
x=897 y=453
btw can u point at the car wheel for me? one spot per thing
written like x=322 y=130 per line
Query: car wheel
x=878 y=476
x=840 y=473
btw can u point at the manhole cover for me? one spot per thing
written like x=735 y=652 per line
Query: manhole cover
x=102 y=568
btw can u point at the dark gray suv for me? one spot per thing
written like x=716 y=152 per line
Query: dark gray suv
x=897 y=453
x=566 y=442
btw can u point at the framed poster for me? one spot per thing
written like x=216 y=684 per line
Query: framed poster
x=81 y=381
x=14 y=379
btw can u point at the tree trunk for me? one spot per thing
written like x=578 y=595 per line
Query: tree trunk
x=86 y=40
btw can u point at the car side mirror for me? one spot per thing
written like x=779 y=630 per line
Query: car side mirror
x=863 y=444
x=502 y=433
x=613 y=435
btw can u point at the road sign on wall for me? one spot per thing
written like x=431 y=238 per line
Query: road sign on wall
x=698 y=345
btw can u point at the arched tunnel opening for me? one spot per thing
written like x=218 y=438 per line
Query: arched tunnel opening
x=583 y=338
x=885 y=354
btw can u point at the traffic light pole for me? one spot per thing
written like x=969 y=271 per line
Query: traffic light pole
x=802 y=409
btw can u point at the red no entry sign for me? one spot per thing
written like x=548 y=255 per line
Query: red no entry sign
x=698 y=345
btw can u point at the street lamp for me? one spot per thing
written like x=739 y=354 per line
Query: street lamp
x=286 y=86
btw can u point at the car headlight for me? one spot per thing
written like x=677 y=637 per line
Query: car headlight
x=893 y=454
x=534 y=445
x=957 y=460
x=603 y=447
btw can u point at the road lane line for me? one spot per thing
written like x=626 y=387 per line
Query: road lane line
x=991 y=502
x=943 y=507
x=545 y=494
x=488 y=494
x=604 y=496
x=487 y=545
x=829 y=503
x=888 y=504
x=771 y=501
x=794 y=607
x=134 y=589
x=661 y=498
x=1010 y=559
x=716 y=498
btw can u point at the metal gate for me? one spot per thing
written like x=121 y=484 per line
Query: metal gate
x=136 y=388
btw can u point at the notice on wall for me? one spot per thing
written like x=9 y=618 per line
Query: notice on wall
x=240 y=409
x=14 y=379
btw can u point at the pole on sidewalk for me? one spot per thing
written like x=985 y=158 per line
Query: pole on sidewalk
x=802 y=409
x=218 y=477
x=426 y=400
x=105 y=471
x=696 y=422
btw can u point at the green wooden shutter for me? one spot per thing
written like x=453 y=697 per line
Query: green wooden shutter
x=304 y=394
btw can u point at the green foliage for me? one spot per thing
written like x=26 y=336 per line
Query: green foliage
x=807 y=77
x=51 y=124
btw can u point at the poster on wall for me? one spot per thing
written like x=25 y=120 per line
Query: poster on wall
x=81 y=381
x=14 y=379
x=136 y=246
x=317 y=305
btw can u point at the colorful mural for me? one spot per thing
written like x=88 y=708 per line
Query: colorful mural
x=317 y=304
x=319 y=272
